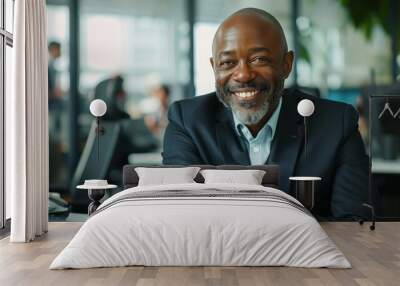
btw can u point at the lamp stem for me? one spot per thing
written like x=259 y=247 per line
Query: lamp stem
x=305 y=137
x=98 y=138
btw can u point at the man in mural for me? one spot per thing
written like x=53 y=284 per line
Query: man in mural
x=251 y=119
x=56 y=104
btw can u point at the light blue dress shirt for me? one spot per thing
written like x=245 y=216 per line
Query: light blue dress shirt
x=259 y=147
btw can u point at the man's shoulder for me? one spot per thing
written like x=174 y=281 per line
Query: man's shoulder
x=197 y=106
x=327 y=111
x=200 y=101
x=322 y=104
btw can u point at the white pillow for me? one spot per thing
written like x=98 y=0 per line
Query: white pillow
x=164 y=176
x=248 y=177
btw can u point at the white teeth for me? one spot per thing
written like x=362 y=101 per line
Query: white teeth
x=246 y=94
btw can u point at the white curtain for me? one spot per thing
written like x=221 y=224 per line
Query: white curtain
x=27 y=125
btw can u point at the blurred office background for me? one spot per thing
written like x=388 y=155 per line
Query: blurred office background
x=139 y=56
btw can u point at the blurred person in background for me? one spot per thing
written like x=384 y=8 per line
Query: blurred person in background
x=55 y=92
x=58 y=208
x=56 y=107
x=157 y=120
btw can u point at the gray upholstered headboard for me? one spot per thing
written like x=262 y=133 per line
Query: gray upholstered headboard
x=271 y=177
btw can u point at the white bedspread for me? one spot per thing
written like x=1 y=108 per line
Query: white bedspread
x=181 y=231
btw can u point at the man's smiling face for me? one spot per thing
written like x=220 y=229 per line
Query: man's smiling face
x=250 y=64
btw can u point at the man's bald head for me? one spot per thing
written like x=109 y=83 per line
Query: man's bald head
x=253 y=12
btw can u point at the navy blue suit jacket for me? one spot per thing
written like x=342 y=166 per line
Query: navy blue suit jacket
x=201 y=131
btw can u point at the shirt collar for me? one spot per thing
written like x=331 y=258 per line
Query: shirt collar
x=271 y=123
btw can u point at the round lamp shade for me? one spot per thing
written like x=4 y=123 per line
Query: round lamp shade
x=305 y=107
x=98 y=107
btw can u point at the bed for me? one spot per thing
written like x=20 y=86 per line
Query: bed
x=201 y=224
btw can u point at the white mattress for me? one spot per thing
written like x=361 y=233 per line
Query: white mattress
x=185 y=231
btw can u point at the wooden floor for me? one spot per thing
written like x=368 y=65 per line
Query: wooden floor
x=375 y=257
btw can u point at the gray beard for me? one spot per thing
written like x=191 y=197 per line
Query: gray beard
x=246 y=117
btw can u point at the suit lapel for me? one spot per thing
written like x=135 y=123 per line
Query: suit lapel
x=233 y=150
x=285 y=148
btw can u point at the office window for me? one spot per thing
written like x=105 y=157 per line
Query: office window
x=204 y=75
x=9 y=12
x=58 y=31
x=58 y=36
x=8 y=69
x=144 y=41
x=6 y=42
x=340 y=56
